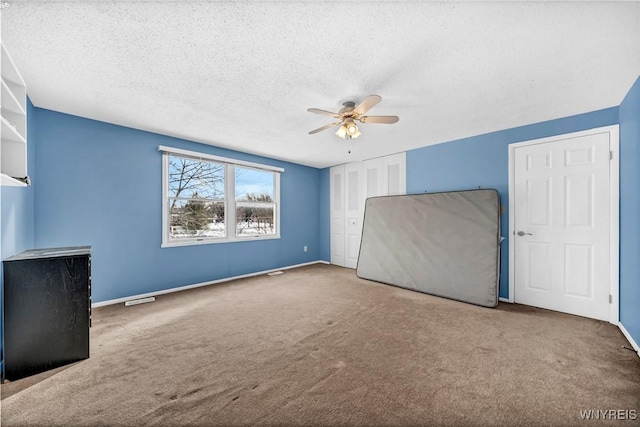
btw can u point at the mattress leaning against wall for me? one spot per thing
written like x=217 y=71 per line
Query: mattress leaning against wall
x=445 y=244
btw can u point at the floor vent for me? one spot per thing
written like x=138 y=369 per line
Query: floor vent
x=275 y=273
x=139 y=301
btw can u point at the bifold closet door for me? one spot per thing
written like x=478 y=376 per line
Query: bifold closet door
x=336 y=189
x=351 y=185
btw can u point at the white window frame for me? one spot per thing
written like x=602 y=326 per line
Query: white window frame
x=230 y=198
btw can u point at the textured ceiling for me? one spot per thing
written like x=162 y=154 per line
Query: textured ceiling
x=242 y=74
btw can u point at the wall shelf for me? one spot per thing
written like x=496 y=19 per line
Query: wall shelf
x=10 y=103
x=11 y=133
x=13 y=118
x=8 y=181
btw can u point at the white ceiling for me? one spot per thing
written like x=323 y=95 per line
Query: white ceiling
x=241 y=74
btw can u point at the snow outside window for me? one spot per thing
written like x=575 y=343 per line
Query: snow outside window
x=255 y=202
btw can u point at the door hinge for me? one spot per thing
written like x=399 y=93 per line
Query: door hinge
x=610 y=155
x=610 y=299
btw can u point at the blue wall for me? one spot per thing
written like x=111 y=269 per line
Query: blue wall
x=101 y=185
x=17 y=211
x=630 y=211
x=482 y=161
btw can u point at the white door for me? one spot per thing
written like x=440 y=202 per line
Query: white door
x=350 y=186
x=562 y=225
x=394 y=175
x=336 y=190
x=354 y=212
x=385 y=176
x=372 y=175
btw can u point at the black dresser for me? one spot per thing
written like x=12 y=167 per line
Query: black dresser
x=46 y=309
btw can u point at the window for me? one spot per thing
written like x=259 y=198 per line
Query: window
x=255 y=202
x=196 y=198
x=210 y=199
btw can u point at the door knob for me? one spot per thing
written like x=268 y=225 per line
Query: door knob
x=522 y=233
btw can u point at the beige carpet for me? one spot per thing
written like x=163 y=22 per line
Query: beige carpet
x=318 y=346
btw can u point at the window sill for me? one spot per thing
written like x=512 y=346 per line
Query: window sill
x=218 y=241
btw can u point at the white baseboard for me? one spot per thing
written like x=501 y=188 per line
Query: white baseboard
x=198 y=285
x=629 y=338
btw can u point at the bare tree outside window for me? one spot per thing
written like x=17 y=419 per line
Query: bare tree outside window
x=196 y=198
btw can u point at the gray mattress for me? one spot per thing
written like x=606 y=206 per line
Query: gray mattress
x=445 y=244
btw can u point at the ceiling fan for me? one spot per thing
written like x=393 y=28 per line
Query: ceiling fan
x=351 y=113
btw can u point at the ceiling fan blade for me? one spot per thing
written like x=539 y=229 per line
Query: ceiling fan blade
x=379 y=119
x=368 y=103
x=324 y=112
x=325 y=127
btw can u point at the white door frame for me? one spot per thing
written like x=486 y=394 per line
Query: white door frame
x=614 y=208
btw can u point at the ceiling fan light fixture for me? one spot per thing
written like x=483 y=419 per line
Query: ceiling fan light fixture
x=353 y=131
x=348 y=130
